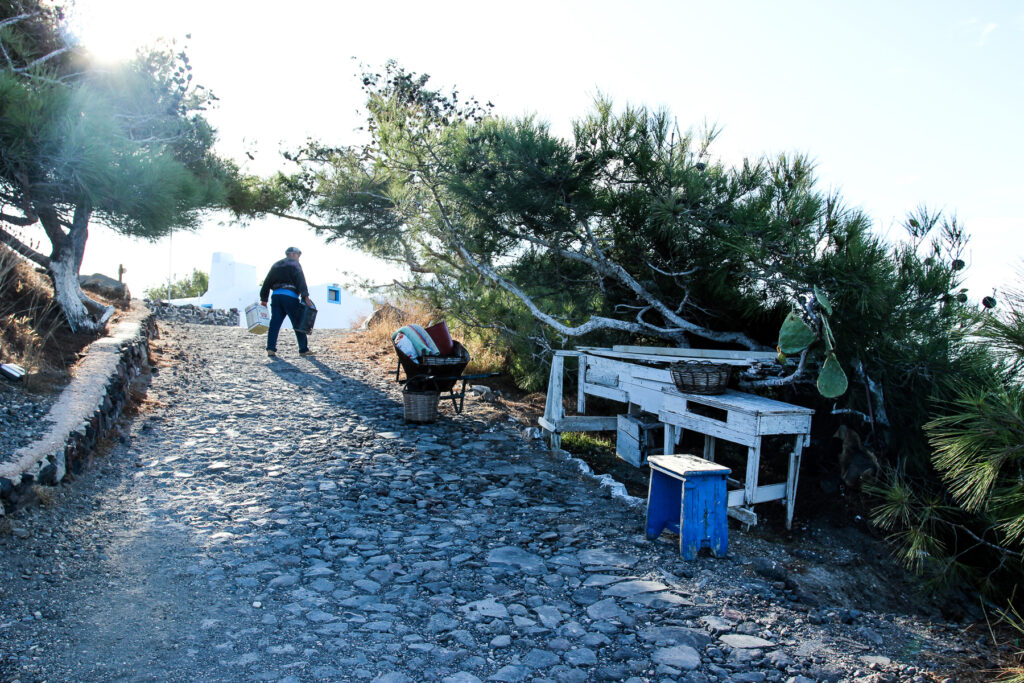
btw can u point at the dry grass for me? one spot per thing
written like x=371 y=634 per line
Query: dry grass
x=374 y=345
x=44 y=494
x=29 y=318
x=483 y=357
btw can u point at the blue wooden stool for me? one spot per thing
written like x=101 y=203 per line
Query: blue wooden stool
x=687 y=496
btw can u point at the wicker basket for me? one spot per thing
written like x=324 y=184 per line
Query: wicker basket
x=700 y=377
x=420 y=406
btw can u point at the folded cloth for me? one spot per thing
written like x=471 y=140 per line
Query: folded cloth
x=405 y=345
x=421 y=341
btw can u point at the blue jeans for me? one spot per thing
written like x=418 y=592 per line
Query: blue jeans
x=280 y=306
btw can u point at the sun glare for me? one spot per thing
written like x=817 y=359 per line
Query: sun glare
x=113 y=30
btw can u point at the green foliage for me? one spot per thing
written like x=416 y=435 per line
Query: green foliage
x=124 y=144
x=189 y=286
x=630 y=231
x=123 y=141
x=962 y=519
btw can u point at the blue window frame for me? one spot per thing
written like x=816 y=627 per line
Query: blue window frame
x=334 y=295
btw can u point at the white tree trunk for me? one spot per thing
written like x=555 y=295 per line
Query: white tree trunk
x=72 y=299
x=66 y=291
x=82 y=313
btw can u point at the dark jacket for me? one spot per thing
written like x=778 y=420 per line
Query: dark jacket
x=285 y=274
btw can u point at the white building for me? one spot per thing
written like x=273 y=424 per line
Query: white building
x=237 y=285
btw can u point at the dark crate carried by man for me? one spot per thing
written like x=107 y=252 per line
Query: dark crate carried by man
x=288 y=285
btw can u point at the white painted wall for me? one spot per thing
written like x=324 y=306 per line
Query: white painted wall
x=237 y=285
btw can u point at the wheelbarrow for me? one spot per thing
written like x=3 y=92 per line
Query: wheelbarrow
x=438 y=374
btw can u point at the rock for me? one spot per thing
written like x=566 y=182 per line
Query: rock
x=581 y=657
x=716 y=624
x=540 y=659
x=875 y=661
x=605 y=558
x=679 y=656
x=549 y=616
x=512 y=673
x=769 y=569
x=386 y=315
x=605 y=609
x=105 y=286
x=748 y=677
x=197 y=315
x=461 y=677
x=744 y=642
x=679 y=635
x=630 y=588
x=392 y=677
x=489 y=608
x=516 y=557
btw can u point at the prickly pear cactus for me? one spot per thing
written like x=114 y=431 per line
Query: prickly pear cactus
x=795 y=335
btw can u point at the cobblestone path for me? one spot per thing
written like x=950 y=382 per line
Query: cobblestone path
x=276 y=520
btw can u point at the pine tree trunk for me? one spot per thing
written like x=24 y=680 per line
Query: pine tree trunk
x=82 y=313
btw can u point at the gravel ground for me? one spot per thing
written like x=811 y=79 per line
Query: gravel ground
x=22 y=416
x=276 y=520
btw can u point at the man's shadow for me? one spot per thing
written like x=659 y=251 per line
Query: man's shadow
x=337 y=388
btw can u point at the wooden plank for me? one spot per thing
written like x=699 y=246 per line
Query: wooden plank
x=748 y=403
x=768 y=492
x=763 y=494
x=649 y=399
x=627 y=441
x=784 y=424
x=553 y=410
x=581 y=396
x=678 y=465
x=708 y=426
x=609 y=380
x=580 y=423
x=717 y=354
x=634 y=371
x=655 y=358
x=606 y=392
x=739 y=425
x=745 y=515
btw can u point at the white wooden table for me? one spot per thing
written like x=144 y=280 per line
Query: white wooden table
x=743 y=419
x=734 y=416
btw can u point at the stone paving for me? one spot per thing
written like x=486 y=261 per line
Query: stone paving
x=279 y=521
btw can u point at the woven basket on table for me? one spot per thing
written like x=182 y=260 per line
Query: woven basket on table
x=700 y=377
x=420 y=406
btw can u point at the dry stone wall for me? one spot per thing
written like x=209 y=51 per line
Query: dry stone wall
x=86 y=411
x=189 y=313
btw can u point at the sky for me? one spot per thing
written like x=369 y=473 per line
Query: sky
x=899 y=104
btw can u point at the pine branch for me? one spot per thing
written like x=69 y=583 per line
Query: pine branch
x=23 y=249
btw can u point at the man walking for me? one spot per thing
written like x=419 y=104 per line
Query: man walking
x=288 y=284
